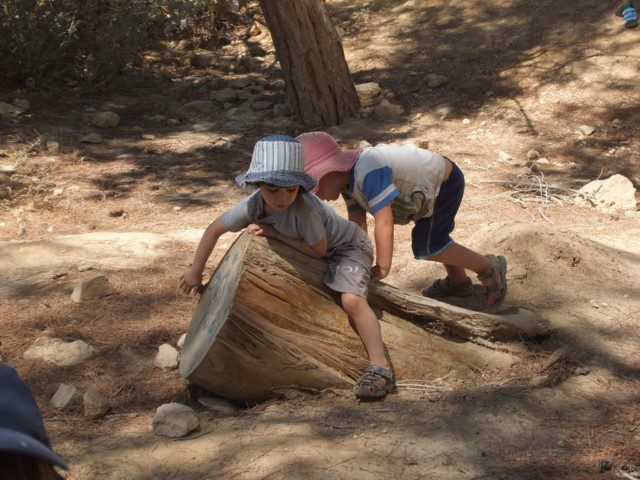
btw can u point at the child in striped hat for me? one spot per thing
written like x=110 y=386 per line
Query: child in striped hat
x=283 y=208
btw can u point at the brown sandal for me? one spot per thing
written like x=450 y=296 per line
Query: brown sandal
x=498 y=274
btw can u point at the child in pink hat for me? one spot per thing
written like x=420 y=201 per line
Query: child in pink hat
x=398 y=185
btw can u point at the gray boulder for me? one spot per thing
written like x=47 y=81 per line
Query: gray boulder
x=106 y=119
x=91 y=289
x=59 y=352
x=96 y=404
x=174 y=420
x=66 y=396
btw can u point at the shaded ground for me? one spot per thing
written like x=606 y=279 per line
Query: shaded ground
x=524 y=74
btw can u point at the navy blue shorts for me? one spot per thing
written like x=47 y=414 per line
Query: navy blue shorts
x=431 y=236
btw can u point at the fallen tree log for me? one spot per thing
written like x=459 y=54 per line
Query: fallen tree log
x=265 y=320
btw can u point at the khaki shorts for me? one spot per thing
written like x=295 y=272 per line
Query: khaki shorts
x=350 y=266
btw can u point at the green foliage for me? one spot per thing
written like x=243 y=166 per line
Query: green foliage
x=93 y=40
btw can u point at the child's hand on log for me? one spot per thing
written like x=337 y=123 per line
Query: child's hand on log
x=263 y=230
x=378 y=273
x=191 y=281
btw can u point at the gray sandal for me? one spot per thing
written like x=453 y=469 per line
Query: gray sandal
x=498 y=274
x=375 y=383
x=444 y=288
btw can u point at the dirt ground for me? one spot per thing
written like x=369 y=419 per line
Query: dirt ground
x=522 y=75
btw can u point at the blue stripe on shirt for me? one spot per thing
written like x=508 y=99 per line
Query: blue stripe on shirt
x=378 y=188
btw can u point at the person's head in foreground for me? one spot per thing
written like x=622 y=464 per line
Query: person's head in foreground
x=25 y=450
x=327 y=163
x=277 y=168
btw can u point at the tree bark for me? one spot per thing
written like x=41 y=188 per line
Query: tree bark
x=266 y=321
x=319 y=85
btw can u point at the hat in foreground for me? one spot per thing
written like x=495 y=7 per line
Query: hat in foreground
x=277 y=160
x=21 y=428
x=323 y=155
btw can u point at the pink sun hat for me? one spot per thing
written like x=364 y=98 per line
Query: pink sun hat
x=323 y=155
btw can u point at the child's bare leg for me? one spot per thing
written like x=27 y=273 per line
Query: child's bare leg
x=368 y=328
x=457 y=258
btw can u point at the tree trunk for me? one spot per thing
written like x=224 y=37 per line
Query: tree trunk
x=319 y=86
x=266 y=321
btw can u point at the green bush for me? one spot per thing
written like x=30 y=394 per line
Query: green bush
x=93 y=40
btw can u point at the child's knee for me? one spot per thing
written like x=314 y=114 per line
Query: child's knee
x=352 y=303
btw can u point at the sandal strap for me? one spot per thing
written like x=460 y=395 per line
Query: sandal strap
x=387 y=374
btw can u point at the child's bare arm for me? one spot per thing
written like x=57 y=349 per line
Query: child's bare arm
x=316 y=251
x=359 y=217
x=383 y=234
x=192 y=278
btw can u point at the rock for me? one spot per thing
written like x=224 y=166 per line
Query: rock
x=533 y=154
x=106 y=119
x=22 y=103
x=615 y=193
x=594 y=304
x=183 y=45
x=254 y=30
x=148 y=136
x=8 y=110
x=587 y=129
x=137 y=128
x=96 y=404
x=174 y=420
x=368 y=93
x=52 y=147
x=582 y=371
x=91 y=289
x=83 y=267
x=340 y=31
x=262 y=105
x=542 y=161
x=91 y=138
x=278 y=84
x=220 y=406
x=181 y=340
x=386 y=109
x=22 y=230
x=8 y=169
x=466 y=121
x=199 y=107
x=224 y=95
x=66 y=396
x=435 y=81
x=240 y=82
x=444 y=111
x=167 y=357
x=173 y=122
x=202 y=60
x=57 y=351
x=418 y=142
x=281 y=110
x=504 y=157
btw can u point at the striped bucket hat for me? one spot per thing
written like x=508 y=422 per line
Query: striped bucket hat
x=277 y=160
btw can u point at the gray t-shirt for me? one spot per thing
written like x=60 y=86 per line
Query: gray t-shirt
x=308 y=219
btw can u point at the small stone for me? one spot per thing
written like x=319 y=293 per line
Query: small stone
x=8 y=169
x=91 y=289
x=174 y=420
x=91 y=138
x=202 y=60
x=8 y=110
x=181 y=340
x=587 y=129
x=91 y=109
x=533 y=154
x=561 y=443
x=281 y=110
x=66 y=396
x=278 y=84
x=59 y=352
x=594 y=304
x=22 y=229
x=22 y=103
x=96 y=404
x=435 y=81
x=385 y=109
x=504 y=157
x=241 y=82
x=106 y=119
x=137 y=128
x=542 y=161
x=116 y=213
x=167 y=357
x=221 y=407
x=224 y=95
x=59 y=274
x=157 y=118
x=199 y=107
x=466 y=121
x=582 y=371
x=254 y=30
x=173 y=122
x=368 y=93
x=262 y=105
x=444 y=111
x=52 y=147
x=148 y=136
x=340 y=31
x=84 y=267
